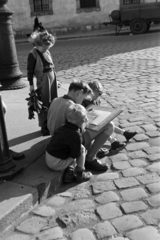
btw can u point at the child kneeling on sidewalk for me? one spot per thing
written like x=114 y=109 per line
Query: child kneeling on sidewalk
x=66 y=144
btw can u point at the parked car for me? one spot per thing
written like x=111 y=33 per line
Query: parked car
x=137 y=14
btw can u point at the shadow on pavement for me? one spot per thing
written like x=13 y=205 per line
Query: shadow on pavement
x=23 y=139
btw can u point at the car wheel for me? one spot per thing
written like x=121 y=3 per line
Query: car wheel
x=138 y=26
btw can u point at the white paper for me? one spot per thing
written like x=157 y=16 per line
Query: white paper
x=102 y=115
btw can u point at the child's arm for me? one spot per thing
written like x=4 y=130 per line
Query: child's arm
x=75 y=145
x=87 y=102
x=97 y=102
x=31 y=62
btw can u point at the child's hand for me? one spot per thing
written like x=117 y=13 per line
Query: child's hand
x=31 y=88
x=58 y=84
x=83 y=149
x=98 y=102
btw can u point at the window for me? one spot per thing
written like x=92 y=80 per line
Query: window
x=41 y=7
x=87 y=5
x=126 y=2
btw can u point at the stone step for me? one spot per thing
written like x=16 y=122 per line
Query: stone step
x=36 y=182
x=16 y=200
x=40 y=177
x=28 y=188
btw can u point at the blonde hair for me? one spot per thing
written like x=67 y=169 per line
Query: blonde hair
x=96 y=86
x=42 y=38
x=77 y=114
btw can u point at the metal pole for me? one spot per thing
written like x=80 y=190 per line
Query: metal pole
x=7 y=167
x=10 y=74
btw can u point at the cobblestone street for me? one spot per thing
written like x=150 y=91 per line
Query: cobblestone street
x=124 y=202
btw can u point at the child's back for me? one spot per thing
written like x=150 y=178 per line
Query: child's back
x=66 y=142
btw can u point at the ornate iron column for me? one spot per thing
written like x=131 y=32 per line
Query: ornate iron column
x=7 y=167
x=10 y=74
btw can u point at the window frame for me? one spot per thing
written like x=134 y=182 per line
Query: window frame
x=131 y=2
x=40 y=13
x=79 y=9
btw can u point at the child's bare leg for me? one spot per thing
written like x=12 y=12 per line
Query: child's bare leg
x=127 y=134
x=99 y=141
x=81 y=159
x=81 y=175
x=119 y=130
x=112 y=139
x=116 y=144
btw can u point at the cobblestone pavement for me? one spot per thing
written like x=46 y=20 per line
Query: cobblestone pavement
x=124 y=202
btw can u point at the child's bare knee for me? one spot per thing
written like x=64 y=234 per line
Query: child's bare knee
x=109 y=129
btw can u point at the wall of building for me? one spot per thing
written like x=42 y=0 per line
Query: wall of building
x=64 y=14
x=21 y=14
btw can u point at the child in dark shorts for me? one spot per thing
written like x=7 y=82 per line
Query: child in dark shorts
x=66 y=144
x=94 y=99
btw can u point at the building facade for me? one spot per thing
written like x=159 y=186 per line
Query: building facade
x=64 y=15
x=60 y=14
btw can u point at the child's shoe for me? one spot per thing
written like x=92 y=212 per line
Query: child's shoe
x=69 y=176
x=96 y=165
x=102 y=152
x=45 y=131
x=128 y=135
x=83 y=176
x=117 y=145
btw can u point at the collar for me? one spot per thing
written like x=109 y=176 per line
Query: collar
x=71 y=125
x=68 y=97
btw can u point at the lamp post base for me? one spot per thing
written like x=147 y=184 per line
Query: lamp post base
x=11 y=173
x=13 y=84
x=10 y=74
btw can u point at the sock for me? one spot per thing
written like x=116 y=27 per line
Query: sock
x=119 y=130
x=112 y=139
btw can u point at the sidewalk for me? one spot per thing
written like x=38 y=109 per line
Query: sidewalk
x=91 y=33
x=36 y=182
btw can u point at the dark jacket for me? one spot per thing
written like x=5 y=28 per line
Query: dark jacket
x=66 y=142
x=39 y=61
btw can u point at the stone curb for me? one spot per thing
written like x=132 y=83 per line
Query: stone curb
x=69 y=37
x=16 y=201
x=89 y=33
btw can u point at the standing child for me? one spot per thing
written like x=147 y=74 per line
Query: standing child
x=40 y=65
x=66 y=144
x=94 y=98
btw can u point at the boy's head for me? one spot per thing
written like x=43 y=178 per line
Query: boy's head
x=78 y=90
x=77 y=115
x=97 y=89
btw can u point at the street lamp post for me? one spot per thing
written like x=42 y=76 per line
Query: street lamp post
x=7 y=167
x=10 y=74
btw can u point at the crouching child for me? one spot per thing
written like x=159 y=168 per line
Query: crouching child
x=94 y=99
x=66 y=145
